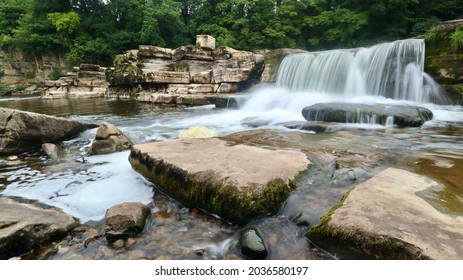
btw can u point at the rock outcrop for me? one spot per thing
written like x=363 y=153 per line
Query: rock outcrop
x=183 y=75
x=237 y=182
x=125 y=220
x=22 y=131
x=88 y=80
x=109 y=139
x=403 y=115
x=443 y=62
x=386 y=217
x=25 y=226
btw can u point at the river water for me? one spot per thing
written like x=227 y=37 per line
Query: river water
x=343 y=156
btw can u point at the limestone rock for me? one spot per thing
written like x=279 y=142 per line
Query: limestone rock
x=109 y=139
x=146 y=51
x=25 y=226
x=237 y=182
x=51 y=150
x=205 y=42
x=125 y=220
x=22 y=131
x=197 y=132
x=403 y=115
x=386 y=217
x=167 y=77
x=252 y=245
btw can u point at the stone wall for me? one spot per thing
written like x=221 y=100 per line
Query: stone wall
x=88 y=80
x=184 y=75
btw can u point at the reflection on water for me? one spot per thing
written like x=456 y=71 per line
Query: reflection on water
x=86 y=186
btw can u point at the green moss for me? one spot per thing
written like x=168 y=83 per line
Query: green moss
x=201 y=190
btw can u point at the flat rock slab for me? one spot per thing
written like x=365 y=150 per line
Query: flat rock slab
x=403 y=115
x=384 y=216
x=237 y=182
x=25 y=226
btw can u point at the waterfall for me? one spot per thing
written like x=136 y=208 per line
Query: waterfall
x=392 y=70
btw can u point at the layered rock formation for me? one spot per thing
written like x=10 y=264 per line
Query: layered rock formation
x=22 y=131
x=88 y=80
x=183 y=75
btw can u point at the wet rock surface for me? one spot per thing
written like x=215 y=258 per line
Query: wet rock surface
x=386 y=217
x=403 y=115
x=237 y=182
x=22 y=131
x=109 y=139
x=25 y=226
x=252 y=245
x=125 y=220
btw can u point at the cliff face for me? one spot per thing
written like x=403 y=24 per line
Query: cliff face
x=444 y=62
x=183 y=75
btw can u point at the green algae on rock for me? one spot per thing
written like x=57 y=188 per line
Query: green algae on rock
x=239 y=183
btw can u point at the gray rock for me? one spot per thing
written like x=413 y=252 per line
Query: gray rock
x=109 y=139
x=386 y=217
x=237 y=182
x=51 y=150
x=25 y=226
x=125 y=220
x=252 y=245
x=404 y=115
x=22 y=131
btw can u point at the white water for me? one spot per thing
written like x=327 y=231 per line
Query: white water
x=392 y=70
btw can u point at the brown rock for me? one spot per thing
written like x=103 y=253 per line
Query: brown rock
x=125 y=220
x=109 y=139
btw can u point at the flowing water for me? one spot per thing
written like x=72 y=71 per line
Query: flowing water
x=342 y=156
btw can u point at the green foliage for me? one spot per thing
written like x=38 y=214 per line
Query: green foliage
x=29 y=74
x=20 y=87
x=94 y=31
x=456 y=40
x=2 y=86
x=55 y=74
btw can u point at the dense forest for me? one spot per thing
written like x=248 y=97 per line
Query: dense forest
x=94 y=31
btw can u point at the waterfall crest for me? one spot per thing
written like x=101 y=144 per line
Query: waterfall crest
x=392 y=70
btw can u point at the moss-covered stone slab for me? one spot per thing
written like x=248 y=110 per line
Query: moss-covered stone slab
x=239 y=183
x=386 y=217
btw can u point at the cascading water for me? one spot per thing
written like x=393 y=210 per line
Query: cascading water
x=392 y=70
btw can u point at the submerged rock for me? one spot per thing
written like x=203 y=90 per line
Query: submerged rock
x=386 y=217
x=23 y=131
x=237 y=182
x=402 y=115
x=25 y=226
x=252 y=245
x=125 y=220
x=109 y=139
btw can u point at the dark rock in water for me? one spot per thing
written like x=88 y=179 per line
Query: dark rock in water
x=252 y=245
x=23 y=131
x=25 y=226
x=125 y=220
x=403 y=115
x=109 y=139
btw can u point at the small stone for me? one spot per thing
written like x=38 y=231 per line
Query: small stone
x=125 y=220
x=252 y=245
x=118 y=244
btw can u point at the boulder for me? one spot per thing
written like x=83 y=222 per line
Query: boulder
x=25 y=226
x=386 y=217
x=403 y=115
x=205 y=42
x=51 y=150
x=22 y=131
x=125 y=220
x=252 y=245
x=239 y=183
x=109 y=139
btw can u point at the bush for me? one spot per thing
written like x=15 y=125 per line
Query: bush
x=29 y=74
x=55 y=74
x=20 y=87
x=456 y=40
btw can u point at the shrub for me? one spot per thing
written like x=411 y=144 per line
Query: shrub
x=456 y=40
x=20 y=87
x=55 y=74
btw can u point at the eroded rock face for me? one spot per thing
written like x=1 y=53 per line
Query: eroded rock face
x=25 y=226
x=386 y=217
x=125 y=220
x=403 y=115
x=237 y=182
x=109 y=139
x=22 y=131
x=187 y=72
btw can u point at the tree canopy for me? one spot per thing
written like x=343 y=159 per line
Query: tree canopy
x=94 y=31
